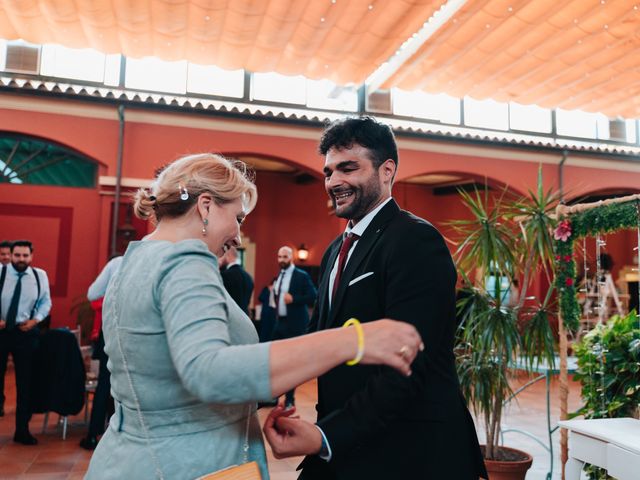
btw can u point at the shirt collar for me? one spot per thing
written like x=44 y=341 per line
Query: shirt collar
x=362 y=225
x=289 y=269
x=15 y=272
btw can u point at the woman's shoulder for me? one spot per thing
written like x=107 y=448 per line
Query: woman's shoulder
x=186 y=255
x=161 y=249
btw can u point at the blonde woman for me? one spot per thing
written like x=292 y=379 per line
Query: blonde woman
x=186 y=368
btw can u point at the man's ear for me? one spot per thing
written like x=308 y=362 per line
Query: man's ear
x=388 y=170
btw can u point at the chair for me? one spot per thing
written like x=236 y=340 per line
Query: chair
x=89 y=386
x=90 y=383
x=60 y=384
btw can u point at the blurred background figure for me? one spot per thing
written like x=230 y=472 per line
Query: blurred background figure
x=102 y=401
x=267 y=313
x=235 y=278
x=5 y=252
x=293 y=292
x=25 y=301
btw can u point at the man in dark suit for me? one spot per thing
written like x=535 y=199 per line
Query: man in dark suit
x=374 y=423
x=236 y=280
x=293 y=292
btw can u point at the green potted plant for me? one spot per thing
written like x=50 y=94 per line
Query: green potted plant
x=609 y=372
x=506 y=240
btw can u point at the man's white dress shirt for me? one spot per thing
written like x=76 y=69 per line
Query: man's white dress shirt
x=29 y=300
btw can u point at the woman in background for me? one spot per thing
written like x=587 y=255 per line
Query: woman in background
x=102 y=402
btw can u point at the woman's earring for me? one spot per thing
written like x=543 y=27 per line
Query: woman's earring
x=205 y=222
x=184 y=195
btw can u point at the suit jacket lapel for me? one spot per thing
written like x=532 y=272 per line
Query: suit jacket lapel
x=368 y=240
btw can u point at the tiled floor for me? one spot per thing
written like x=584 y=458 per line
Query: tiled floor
x=54 y=458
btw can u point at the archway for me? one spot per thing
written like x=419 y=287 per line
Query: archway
x=434 y=196
x=25 y=159
x=618 y=256
x=292 y=210
x=50 y=196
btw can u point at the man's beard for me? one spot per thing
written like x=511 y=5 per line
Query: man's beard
x=364 y=199
x=284 y=265
x=20 y=266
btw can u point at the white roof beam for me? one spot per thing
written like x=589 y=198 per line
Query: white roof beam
x=413 y=44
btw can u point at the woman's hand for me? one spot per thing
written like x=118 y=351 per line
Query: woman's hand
x=392 y=343
x=290 y=436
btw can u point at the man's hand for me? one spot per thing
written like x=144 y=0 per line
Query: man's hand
x=3 y=324
x=288 y=298
x=28 y=325
x=290 y=436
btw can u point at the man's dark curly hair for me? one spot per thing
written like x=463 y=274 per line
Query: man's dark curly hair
x=365 y=131
x=21 y=243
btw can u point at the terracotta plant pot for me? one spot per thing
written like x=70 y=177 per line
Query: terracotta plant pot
x=509 y=469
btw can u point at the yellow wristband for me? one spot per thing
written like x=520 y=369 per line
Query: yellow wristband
x=356 y=323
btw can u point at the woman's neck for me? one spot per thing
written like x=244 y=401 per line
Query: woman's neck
x=173 y=230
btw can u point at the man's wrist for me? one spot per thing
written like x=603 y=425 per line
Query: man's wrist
x=325 y=449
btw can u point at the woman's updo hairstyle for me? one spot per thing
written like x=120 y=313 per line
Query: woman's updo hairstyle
x=176 y=189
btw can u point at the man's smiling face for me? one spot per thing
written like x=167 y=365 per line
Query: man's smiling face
x=352 y=182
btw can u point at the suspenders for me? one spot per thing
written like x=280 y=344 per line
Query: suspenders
x=35 y=304
x=3 y=275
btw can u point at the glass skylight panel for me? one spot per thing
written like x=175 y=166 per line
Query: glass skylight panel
x=9 y=173
x=576 y=123
x=440 y=107
x=630 y=127
x=3 y=54
x=273 y=87
x=486 y=114
x=112 y=70
x=211 y=80
x=327 y=95
x=602 y=126
x=151 y=73
x=73 y=63
x=531 y=118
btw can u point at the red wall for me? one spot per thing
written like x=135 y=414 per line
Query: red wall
x=619 y=245
x=62 y=224
x=287 y=213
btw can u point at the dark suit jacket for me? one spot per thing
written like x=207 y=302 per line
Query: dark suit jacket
x=239 y=284
x=58 y=381
x=304 y=295
x=267 y=316
x=380 y=424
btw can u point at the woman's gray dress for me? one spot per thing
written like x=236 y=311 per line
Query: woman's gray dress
x=194 y=365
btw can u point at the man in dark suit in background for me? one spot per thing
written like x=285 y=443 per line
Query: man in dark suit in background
x=292 y=293
x=236 y=280
x=374 y=423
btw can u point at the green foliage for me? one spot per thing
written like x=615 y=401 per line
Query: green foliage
x=608 y=370
x=534 y=215
x=488 y=242
x=603 y=219
x=538 y=337
x=510 y=238
x=608 y=365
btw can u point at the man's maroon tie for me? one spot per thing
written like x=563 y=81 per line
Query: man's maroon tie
x=347 y=243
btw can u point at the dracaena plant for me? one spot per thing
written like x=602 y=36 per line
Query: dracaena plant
x=511 y=239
